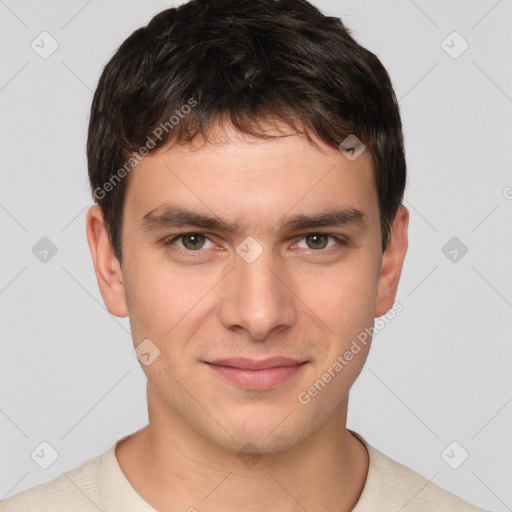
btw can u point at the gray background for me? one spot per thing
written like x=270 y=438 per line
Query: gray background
x=438 y=373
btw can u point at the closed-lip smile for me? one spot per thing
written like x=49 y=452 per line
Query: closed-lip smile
x=256 y=374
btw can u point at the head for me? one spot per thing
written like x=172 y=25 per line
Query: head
x=228 y=122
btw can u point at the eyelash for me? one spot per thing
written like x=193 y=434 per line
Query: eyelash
x=341 y=241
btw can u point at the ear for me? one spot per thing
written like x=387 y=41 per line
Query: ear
x=392 y=262
x=108 y=270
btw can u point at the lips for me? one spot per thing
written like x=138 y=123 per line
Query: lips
x=254 y=364
x=257 y=374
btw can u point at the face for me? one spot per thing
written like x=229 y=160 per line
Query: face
x=249 y=268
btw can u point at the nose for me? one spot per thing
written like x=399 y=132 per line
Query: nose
x=256 y=298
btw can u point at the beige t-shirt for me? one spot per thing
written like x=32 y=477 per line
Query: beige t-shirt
x=100 y=485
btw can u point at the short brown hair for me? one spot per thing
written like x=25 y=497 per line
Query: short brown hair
x=246 y=62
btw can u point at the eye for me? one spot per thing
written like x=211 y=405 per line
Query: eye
x=191 y=242
x=318 y=241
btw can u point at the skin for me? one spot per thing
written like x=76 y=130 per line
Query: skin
x=295 y=300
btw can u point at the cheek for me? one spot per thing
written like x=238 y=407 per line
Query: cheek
x=343 y=297
x=149 y=297
x=162 y=301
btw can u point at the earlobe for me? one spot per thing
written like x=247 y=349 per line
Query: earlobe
x=392 y=262
x=106 y=266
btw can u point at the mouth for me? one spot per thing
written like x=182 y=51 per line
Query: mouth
x=257 y=374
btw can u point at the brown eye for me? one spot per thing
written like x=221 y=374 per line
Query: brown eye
x=187 y=243
x=317 y=241
x=193 y=241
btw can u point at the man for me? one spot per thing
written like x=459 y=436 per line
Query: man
x=247 y=161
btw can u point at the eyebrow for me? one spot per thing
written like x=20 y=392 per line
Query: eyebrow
x=168 y=216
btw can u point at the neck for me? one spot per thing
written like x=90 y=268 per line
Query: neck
x=173 y=467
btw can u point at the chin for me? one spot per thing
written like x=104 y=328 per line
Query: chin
x=258 y=444
x=262 y=433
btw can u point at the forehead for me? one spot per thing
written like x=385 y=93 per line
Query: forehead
x=251 y=180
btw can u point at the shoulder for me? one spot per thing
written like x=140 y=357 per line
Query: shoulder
x=79 y=487
x=391 y=486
